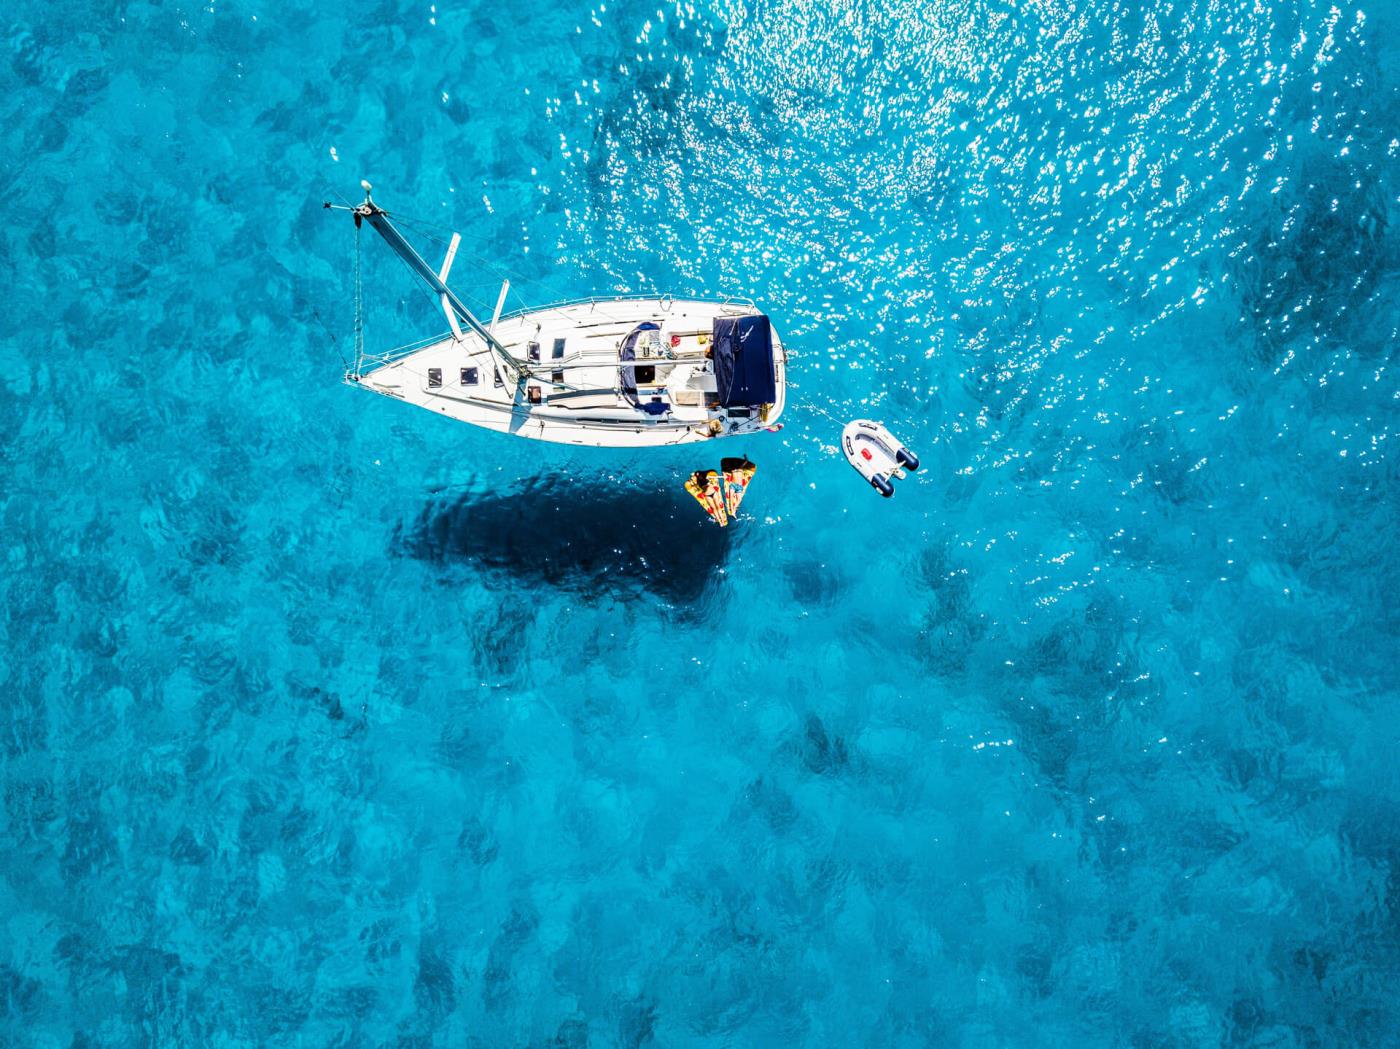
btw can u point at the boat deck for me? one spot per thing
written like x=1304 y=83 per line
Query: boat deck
x=575 y=393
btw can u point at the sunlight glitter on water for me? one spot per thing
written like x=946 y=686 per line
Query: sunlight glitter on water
x=330 y=723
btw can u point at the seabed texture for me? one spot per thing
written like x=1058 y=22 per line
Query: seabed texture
x=325 y=722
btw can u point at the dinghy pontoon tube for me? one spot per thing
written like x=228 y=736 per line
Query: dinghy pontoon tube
x=876 y=455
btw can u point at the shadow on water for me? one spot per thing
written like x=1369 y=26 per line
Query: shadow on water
x=590 y=534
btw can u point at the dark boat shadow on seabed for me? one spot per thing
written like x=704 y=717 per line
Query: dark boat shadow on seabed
x=593 y=534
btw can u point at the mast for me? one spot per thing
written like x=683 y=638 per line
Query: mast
x=456 y=311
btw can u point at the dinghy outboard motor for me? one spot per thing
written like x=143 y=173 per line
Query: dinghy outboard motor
x=876 y=455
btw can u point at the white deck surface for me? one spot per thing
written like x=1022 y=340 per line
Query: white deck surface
x=586 y=404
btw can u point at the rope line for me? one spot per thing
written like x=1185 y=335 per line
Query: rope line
x=359 y=308
x=335 y=341
x=426 y=229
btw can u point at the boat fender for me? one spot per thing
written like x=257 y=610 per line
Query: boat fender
x=907 y=459
x=883 y=485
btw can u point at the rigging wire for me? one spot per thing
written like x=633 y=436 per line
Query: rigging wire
x=327 y=190
x=426 y=229
x=526 y=371
x=335 y=340
x=359 y=307
x=420 y=230
x=430 y=230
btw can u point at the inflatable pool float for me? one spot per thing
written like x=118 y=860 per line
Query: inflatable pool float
x=705 y=487
x=738 y=472
x=876 y=454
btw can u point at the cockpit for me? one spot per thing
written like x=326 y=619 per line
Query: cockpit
x=643 y=344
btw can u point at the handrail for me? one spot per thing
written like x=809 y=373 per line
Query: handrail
x=389 y=356
x=595 y=300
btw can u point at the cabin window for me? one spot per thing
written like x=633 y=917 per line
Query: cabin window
x=534 y=393
x=557 y=378
x=558 y=349
x=434 y=377
x=534 y=349
x=470 y=377
x=499 y=380
x=646 y=373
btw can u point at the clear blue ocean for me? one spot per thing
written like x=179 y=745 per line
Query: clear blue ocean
x=328 y=722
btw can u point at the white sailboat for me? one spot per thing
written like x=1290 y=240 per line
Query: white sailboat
x=630 y=372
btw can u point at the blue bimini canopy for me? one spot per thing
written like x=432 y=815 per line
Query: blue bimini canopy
x=743 y=349
x=628 y=374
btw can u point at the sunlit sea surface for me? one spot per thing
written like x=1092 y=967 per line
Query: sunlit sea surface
x=328 y=722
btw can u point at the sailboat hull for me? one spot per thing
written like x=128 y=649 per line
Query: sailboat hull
x=594 y=381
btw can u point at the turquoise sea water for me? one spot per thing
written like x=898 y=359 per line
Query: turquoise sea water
x=326 y=722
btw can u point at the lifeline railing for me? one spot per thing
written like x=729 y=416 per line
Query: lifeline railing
x=376 y=360
x=595 y=300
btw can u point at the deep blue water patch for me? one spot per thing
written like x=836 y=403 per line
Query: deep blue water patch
x=326 y=722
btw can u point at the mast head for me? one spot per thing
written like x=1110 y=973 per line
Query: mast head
x=369 y=207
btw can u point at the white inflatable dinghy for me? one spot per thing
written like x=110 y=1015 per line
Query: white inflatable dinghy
x=876 y=455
